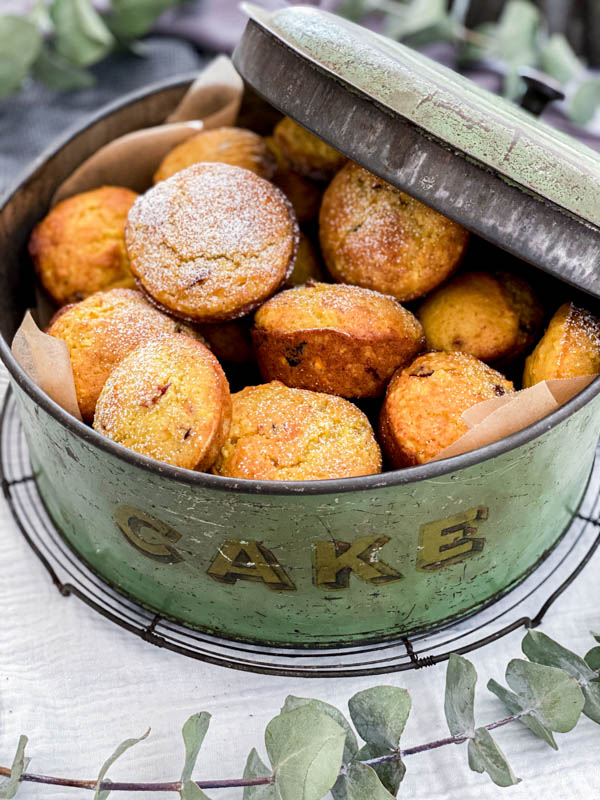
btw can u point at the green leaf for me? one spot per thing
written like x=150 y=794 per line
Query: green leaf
x=193 y=732
x=486 y=756
x=350 y=744
x=558 y=59
x=20 y=43
x=390 y=773
x=515 y=706
x=55 y=71
x=81 y=36
x=354 y=9
x=192 y=792
x=550 y=691
x=420 y=22
x=122 y=748
x=584 y=103
x=361 y=783
x=592 y=659
x=459 y=702
x=379 y=715
x=131 y=19
x=9 y=786
x=543 y=650
x=305 y=747
x=256 y=768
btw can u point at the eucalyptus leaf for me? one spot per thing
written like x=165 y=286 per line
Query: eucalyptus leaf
x=379 y=715
x=350 y=744
x=552 y=692
x=361 y=783
x=354 y=9
x=583 y=105
x=256 y=768
x=486 y=756
x=9 y=786
x=58 y=73
x=592 y=659
x=81 y=36
x=130 y=19
x=515 y=707
x=20 y=43
x=390 y=773
x=305 y=747
x=420 y=21
x=122 y=748
x=558 y=59
x=192 y=792
x=193 y=732
x=543 y=650
x=459 y=702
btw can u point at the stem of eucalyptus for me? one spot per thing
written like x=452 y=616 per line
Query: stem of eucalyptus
x=233 y=783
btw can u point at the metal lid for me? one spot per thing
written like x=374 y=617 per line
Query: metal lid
x=471 y=155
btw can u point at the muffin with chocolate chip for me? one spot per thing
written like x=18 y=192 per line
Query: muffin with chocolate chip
x=307 y=154
x=303 y=194
x=333 y=338
x=212 y=242
x=169 y=400
x=79 y=246
x=374 y=235
x=424 y=403
x=278 y=434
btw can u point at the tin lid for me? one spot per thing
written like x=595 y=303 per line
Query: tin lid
x=469 y=154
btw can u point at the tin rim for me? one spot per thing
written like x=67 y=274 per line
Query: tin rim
x=205 y=480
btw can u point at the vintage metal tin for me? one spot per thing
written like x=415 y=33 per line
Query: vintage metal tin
x=311 y=563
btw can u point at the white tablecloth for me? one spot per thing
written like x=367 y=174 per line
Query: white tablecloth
x=77 y=685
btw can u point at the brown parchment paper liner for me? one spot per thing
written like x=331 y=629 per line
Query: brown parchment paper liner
x=494 y=419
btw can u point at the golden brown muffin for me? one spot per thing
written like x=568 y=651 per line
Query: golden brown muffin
x=332 y=338
x=212 y=242
x=421 y=414
x=307 y=154
x=169 y=399
x=79 y=247
x=237 y=146
x=375 y=236
x=493 y=317
x=103 y=329
x=569 y=348
x=304 y=195
x=282 y=434
x=230 y=341
x=307 y=266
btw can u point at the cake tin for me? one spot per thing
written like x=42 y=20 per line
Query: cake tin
x=328 y=563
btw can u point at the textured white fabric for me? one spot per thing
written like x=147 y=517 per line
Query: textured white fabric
x=77 y=685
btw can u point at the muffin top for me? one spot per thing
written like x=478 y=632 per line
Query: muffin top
x=228 y=145
x=101 y=330
x=421 y=414
x=212 y=242
x=307 y=154
x=569 y=348
x=279 y=433
x=168 y=399
x=79 y=246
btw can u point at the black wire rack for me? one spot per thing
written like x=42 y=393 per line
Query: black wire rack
x=525 y=606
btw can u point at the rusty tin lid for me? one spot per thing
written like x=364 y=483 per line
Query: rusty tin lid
x=462 y=150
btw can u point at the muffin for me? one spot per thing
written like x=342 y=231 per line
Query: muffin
x=307 y=154
x=332 y=338
x=169 y=400
x=569 y=348
x=282 y=434
x=230 y=341
x=495 y=317
x=421 y=414
x=100 y=331
x=212 y=242
x=79 y=247
x=307 y=266
x=375 y=236
x=304 y=195
x=237 y=146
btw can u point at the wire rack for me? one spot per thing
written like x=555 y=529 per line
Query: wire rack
x=525 y=606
